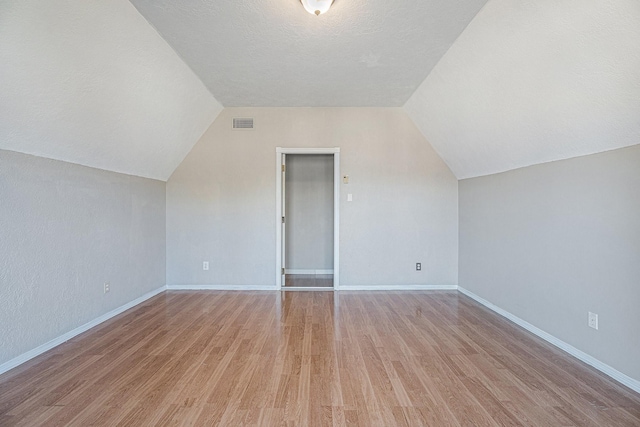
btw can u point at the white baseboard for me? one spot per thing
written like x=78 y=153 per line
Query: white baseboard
x=578 y=354
x=222 y=288
x=308 y=289
x=25 y=357
x=398 y=287
x=302 y=271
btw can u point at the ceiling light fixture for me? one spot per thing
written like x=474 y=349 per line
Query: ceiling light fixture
x=316 y=7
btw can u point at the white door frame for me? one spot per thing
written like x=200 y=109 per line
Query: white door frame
x=336 y=208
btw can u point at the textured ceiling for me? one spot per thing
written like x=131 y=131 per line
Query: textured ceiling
x=534 y=81
x=526 y=82
x=273 y=53
x=91 y=82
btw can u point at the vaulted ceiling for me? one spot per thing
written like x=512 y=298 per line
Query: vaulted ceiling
x=530 y=82
x=131 y=86
x=372 y=53
x=92 y=83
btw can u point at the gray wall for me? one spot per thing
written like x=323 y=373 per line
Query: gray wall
x=309 y=212
x=65 y=230
x=551 y=242
x=221 y=199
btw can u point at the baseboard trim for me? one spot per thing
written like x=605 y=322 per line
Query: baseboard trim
x=578 y=354
x=308 y=271
x=25 y=357
x=221 y=288
x=398 y=288
x=307 y=289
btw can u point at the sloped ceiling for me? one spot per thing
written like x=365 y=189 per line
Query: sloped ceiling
x=534 y=81
x=91 y=82
x=275 y=54
x=527 y=82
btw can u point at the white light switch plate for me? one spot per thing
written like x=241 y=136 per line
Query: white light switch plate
x=349 y=197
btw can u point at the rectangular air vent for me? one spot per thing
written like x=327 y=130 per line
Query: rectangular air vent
x=243 y=123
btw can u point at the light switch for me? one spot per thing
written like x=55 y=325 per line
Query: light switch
x=345 y=179
x=349 y=197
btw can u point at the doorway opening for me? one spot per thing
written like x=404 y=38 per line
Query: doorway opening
x=307 y=218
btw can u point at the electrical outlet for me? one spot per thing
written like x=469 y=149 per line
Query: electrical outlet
x=418 y=266
x=205 y=265
x=593 y=320
x=107 y=287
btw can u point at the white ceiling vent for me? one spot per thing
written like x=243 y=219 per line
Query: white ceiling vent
x=243 y=123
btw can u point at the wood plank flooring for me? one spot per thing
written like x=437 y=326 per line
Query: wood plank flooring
x=311 y=358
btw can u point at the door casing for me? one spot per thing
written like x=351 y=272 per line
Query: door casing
x=280 y=151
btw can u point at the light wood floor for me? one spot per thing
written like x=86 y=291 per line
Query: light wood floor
x=311 y=358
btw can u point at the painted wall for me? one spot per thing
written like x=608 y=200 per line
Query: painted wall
x=309 y=212
x=551 y=242
x=64 y=231
x=221 y=199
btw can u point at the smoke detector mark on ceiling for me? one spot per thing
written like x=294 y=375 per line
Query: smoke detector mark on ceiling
x=371 y=60
x=244 y=123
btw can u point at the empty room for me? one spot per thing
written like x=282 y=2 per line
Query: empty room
x=320 y=212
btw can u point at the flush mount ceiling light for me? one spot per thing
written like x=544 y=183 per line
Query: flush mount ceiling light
x=317 y=7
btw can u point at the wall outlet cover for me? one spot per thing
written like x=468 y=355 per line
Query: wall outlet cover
x=593 y=320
